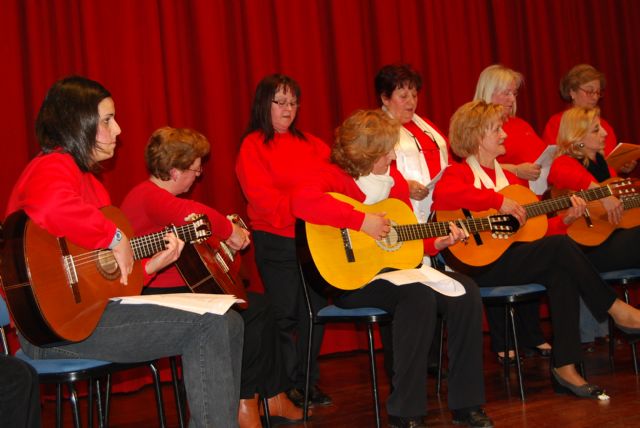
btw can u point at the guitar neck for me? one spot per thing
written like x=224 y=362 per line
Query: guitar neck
x=148 y=245
x=563 y=202
x=410 y=232
x=628 y=203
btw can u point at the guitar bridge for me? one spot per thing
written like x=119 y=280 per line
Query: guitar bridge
x=222 y=263
x=346 y=243
x=69 y=267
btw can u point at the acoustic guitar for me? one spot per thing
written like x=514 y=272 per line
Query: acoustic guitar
x=214 y=268
x=56 y=291
x=348 y=259
x=595 y=228
x=482 y=250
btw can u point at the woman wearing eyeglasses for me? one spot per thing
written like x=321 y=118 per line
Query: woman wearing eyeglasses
x=583 y=86
x=275 y=155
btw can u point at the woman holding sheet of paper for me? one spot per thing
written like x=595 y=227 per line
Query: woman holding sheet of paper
x=422 y=151
x=498 y=84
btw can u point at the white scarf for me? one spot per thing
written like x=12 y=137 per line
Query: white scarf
x=480 y=176
x=376 y=187
x=412 y=164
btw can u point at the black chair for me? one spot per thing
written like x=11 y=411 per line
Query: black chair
x=70 y=371
x=331 y=313
x=624 y=279
x=510 y=296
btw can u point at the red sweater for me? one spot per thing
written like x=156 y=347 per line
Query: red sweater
x=455 y=191
x=268 y=173
x=569 y=173
x=550 y=135
x=522 y=142
x=150 y=208
x=311 y=202
x=63 y=200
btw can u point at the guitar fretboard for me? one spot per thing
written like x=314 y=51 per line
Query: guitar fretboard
x=535 y=209
x=631 y=202
x=148 y=245
x=410 y=232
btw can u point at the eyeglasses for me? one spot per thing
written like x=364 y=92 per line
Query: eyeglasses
x=590 y=92
x=198 y=170
x=284 y=103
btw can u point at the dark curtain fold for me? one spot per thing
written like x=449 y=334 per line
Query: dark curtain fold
x=196 y=64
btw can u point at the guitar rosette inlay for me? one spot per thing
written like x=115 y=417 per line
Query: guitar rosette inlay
x=107 y=265
x=391 y=241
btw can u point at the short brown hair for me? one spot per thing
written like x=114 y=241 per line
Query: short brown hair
x=574 y=126
x=362 y=139
x=174 y=148
x=469 y=125
x=578 y=76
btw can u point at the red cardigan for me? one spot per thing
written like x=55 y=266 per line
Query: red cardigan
x=455 y=191
x=522 y=143
x=311 y=202
x=569 y=173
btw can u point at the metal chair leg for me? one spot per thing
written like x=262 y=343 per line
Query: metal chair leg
x=73 y=397
x=58 y=405
x=440 y=351
x=374 y=375
x=158 y=393
x=107 y=400
x=515 y=349
x=90 y=403
x=267 y=417
x=177 y=391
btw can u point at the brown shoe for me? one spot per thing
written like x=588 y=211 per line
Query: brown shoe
x=248 y=416
x=282 y=410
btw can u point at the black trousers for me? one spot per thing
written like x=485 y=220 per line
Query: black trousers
x=19 y=394
x=278 y=266
x=620 y=251
x=262 y=364
x=560 y=265
x=415 y=308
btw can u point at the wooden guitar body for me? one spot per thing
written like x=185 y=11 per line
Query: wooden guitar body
x=596 y=229
x=46 y=307
x=483 y=249
x=352 y=271
x=211 y=267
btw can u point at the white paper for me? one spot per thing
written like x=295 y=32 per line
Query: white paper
x=426 y=275
x=434 y=180
x=545 y=160
x=198 y=303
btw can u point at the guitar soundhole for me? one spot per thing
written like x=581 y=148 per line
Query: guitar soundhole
x=391 y=242
x=107 y=266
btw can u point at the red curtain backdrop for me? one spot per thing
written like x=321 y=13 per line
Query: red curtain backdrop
x=196 y=64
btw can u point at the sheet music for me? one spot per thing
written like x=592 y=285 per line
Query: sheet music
x=426 y=275
x=545 y=160
x=430 y=185
x=198 y=303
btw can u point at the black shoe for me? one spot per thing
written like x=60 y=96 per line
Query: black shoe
x=587 y=390
x=402 y=422
x=475 y=419
x=316 y=397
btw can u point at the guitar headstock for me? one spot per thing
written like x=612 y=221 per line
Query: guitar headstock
x=200 y=228
x=626 y=187
x=503 y=225
x=236 y=219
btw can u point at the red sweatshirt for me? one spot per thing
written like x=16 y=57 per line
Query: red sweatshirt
x=268 y=173
x=150 y=208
